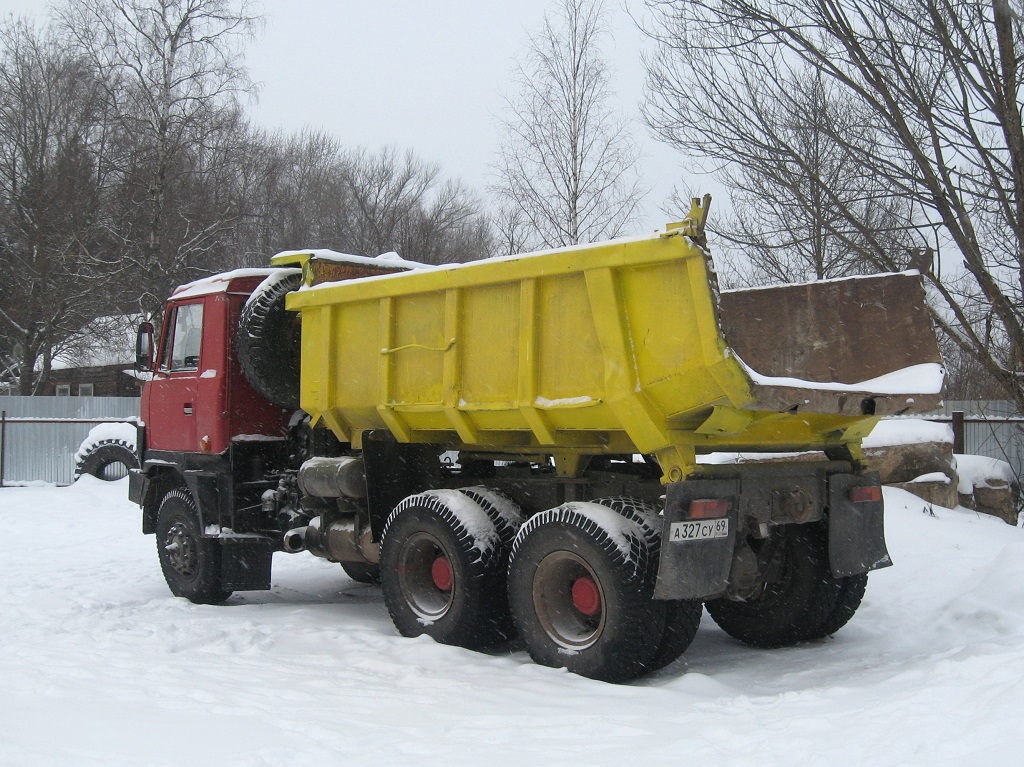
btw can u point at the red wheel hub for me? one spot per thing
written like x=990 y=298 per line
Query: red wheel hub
x=441 y=572
x=586 y=597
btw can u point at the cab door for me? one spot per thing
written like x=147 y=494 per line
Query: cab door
x=172 y=394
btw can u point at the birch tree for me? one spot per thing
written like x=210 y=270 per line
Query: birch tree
x=173 y=73
x=567 y=163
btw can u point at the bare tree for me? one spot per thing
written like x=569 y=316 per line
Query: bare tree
x=512 y=230
x=48 y=200
x=936 y=88
x=567 y=164
x=401 y=203
x=289 y=191
x=312 y=192
x=172 y=71
x=782 y=222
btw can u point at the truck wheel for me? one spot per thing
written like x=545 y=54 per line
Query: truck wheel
x=504 y=513
x=269 y=339
x=682 y=617
x=190 y=563
x=849 y=593
x=362 y=572
x=795 y=601
x=108 y=459
x=643 y=513
x=441 y=570
x=580 y=587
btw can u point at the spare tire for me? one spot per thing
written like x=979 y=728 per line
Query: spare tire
x=107 y=459
x=269 y=340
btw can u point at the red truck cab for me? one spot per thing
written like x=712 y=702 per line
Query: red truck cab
x=198 y=399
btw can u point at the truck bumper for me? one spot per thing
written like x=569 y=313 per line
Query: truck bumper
x=697 y=556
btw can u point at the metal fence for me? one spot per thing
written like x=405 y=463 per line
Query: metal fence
x=39 y=436
x=991 y=428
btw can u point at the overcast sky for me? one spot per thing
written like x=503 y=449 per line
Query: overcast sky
x=430 y=76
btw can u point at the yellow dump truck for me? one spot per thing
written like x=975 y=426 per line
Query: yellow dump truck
x=556 y=445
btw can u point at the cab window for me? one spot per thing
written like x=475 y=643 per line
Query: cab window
x=184 y=342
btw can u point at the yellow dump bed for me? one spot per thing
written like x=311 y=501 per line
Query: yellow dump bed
x=619 y=347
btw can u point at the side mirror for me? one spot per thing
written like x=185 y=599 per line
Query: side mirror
x=144 y=347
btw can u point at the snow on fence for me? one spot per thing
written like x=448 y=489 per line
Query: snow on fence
x=40 y=435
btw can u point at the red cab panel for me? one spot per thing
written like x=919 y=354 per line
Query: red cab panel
x=198 y=399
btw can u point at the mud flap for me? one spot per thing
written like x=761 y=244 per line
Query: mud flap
x=696 y=568
x=245 y=564
x=856 y=531
x=137 y=482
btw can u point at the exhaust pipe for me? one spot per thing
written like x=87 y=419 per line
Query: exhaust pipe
x=342 y=541
x=295 y=540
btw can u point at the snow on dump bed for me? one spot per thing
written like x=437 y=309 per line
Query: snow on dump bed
x=925 y=378
x=414 y=266
x=389 y=259
x=218 y=283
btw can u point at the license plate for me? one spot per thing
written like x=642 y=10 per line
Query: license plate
x=700 y=530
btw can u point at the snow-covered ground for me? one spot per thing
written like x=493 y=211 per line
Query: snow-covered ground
x=100 y=665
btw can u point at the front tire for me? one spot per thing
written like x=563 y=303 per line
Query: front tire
x=190 y=563
x=581 y=587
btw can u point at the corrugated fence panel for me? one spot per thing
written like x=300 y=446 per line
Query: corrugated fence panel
x=45 y=451
x=1005 y=441
x=70 y=407
x=993 y=438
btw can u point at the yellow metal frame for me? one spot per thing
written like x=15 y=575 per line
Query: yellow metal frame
x=606 y=348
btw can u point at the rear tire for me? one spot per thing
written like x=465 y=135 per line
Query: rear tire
x=190 y=563
x=269 y=340
x=796 y=601
x=644 y=514
x=362 y=572
x=682 y=619
x=581 y=593
x=850 y=592
x=441 y=571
